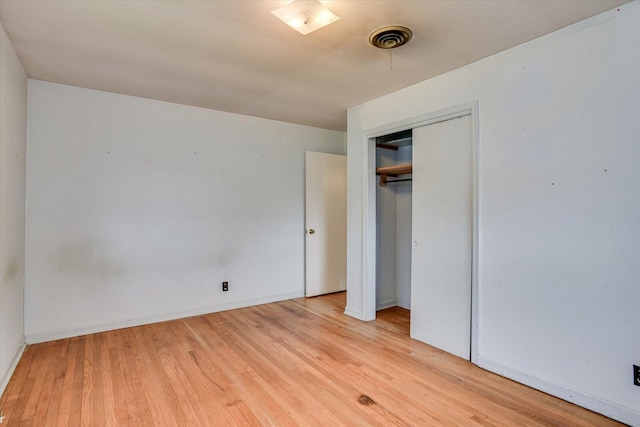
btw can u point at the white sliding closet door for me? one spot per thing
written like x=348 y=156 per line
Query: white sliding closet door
x=442 y=235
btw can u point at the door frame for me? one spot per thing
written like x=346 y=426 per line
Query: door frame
x=369 y=192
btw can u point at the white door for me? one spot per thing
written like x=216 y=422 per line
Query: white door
x=325 y=223
x=442 y=219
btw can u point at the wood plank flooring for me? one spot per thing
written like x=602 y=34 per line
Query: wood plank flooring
x=293 y=363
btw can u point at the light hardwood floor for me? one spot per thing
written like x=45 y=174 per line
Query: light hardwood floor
x=294 y=363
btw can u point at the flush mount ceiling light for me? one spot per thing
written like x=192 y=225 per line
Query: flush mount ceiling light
x=390 y=37
x=305 y=16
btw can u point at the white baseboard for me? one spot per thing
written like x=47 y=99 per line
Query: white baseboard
x=593 y=403
x=38 y=337
x=353 y=313
x=14 y=364
x=394 y=303
x=386 y=304
x=406 y=304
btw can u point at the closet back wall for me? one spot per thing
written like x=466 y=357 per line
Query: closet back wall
x=137 y=210
x=386 y=225
x=403 y=233
x=393 y=233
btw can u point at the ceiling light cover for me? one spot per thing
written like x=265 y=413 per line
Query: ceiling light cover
x=305 y=16
x=390 y=37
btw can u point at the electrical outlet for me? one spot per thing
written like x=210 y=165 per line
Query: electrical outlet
x=636 y=375
x=225 y=286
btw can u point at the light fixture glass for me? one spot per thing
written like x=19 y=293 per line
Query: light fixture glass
x=305 y=16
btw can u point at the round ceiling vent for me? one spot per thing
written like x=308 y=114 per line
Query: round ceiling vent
x=390 y=37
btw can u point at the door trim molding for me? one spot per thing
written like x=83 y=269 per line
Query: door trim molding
x=369 y=203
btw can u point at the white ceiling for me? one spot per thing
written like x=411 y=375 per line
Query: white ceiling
x=236 y=56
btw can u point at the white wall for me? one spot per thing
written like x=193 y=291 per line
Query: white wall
x=13 y=142
x=137 y=210
x=403 y=233
x=393 y=234
x=386 y=208
x=559 y=206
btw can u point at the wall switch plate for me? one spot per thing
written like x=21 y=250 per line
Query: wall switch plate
x=636 y=375
x=225 y=286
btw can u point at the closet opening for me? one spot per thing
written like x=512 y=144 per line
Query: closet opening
x=436 y=216
x=393 y=220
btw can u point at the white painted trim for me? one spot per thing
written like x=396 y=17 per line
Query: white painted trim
x=424 y=119
x=119 y=324
x=475 y=240
x=404 y=303
x=353 y=313
x=386 y=304
x=12 y=367
x=369 y=229
x=593 y=403
x=369 y=205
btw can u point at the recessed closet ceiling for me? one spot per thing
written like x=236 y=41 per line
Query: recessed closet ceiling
x=236 y=56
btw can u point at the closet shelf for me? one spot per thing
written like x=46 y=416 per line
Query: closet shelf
x=395 y=170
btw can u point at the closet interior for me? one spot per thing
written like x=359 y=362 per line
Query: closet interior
x=393 y=220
